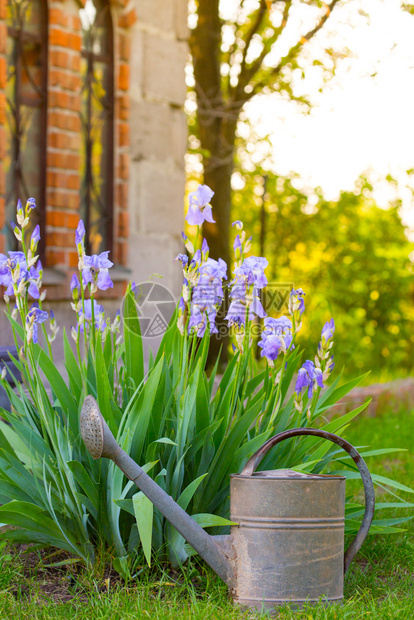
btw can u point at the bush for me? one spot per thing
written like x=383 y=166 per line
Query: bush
x=190 y=428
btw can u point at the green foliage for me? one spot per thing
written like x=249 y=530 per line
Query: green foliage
x=188 y=429
x=350 y=255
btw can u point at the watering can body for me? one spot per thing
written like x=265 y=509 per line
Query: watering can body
x=288 y=544
x=289 y=538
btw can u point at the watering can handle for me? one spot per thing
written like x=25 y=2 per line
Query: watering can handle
x=357 y=542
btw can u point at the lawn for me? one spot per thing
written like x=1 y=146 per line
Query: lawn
x=379 y=584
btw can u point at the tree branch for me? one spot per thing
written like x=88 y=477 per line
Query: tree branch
x=293 y=52
x=251 y=70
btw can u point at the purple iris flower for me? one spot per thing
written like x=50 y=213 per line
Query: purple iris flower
x=204 y=249
x=96 y=270
x=257 y=308
x=98 y=312
x=198 y=319
x=207 y=296
x=80 y=233
x=30 y=205
x=213 y=272
x=75 y=285
x=278 y=326
x=196 y=260
x=252 y=271
x=328 y=331
x=35 y=238
x=238 y=224
x=270 y=346
x=297 y=301
x=34 y=317
x=309 y=376
x=9 y=263
x=276 y=333
x=183 y=258
x=199 y=209
x=281 y=327
x=237 y=246
x=98 y=309
x=236 y=314
x=19 y=208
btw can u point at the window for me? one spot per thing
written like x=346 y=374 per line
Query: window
x=97 y=117
x=26 y=108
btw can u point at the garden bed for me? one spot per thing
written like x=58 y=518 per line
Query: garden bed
x=379 y=583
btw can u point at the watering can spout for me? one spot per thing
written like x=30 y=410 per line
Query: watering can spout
x=100 y=442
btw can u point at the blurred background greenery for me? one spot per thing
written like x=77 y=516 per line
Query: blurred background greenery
x=351 y=253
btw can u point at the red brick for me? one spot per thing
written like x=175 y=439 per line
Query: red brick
x=57 y=99
x=75 y=42
x=62 y=219
x=122 y=195
x=63 y=199
x=72 y=220
x=123 y=223
x=2 y=109
x=127 y=19
x=123 y=77
x=124 y=46
x=73 y=181
x=124 y=166
x=55 y=218
x=3 y=38
x=76 y=22
x=123 y=134
x=59 y=58
x=54 y=257
x=75 y=62
x=73 y=258
x=59 y=239
x=59 y=37
x=59 y=140
x=122 y=107
x=58 y=17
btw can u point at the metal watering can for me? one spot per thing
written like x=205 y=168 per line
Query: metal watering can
x=288 y=544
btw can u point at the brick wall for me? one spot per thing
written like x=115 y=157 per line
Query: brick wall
x=64 y=136
x=150 y=140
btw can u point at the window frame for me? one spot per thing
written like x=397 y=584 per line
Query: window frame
x=109 y=143
x=43 y=39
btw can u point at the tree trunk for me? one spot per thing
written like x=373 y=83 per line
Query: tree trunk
x=217 y=121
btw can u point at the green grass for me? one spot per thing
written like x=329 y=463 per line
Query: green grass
x=379 y=585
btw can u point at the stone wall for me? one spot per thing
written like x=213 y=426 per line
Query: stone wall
x=158 y=137
x=150 y=53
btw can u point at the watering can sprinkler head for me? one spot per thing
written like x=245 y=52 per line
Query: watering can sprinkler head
x=95 y=432
x=100 y=442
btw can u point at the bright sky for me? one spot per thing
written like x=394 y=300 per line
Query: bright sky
x=364 y=119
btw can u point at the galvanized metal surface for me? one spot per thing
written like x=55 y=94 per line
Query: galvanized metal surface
x=288 y=544
x=369 y=492
x=290 y=539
